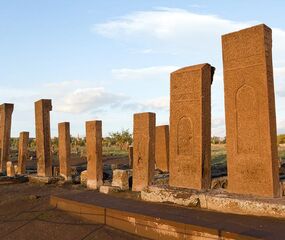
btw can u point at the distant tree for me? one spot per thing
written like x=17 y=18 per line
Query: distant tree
x=281 y=139
x=121 y=139
x=14 y=142
x=54 y=142
x=32 y=143
x=215 y=140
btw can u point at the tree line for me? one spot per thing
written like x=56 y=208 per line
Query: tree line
x=121 y=139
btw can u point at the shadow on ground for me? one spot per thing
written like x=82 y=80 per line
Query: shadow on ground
x=25 y=214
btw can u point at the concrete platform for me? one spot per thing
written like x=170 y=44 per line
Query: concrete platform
x=217 y=200
x=161 y=221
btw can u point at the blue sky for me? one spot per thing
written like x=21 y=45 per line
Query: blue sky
x=109 y=59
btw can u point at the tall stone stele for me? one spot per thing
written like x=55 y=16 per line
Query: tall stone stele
x=64 y=150
x=23 y=152
x=190 y=127
x=143 y=150
x=131 y=156
x=162 y=148
x=94 y=154
x=43 y=140
x=252 y=159
x=6 y=111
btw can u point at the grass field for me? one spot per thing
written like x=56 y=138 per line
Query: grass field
x=219 y=154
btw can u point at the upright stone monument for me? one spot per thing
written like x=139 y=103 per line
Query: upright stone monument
x=10 y=169
x=43 y=141
x=6 y=111
x=131 y=156
x=144 y=150
x=64 y=150
x=190 y=127
x=23 y=152
x=94 y=154
x=252 y=159
x=162 y=148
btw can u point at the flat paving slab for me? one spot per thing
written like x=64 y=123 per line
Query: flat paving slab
x=238 y=225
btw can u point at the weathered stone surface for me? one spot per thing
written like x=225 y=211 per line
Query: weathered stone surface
x=162 y=148
x=131 y=156
x=94 y=154
x=190 y=127
x=121 y=179
x=6 y=111
x=216 y=200
x=10 y=169
x=43 y=141
x=250 y=112
x=144 y=150
x=23 y=152
x=64 y=150
x=108 y=189
x=83 y=178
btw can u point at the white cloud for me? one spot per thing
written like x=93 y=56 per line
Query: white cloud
x=178 y=31
x=166 y=24
x=154 y=104
x=88 y=99
x=161 y=103
x=153 y=73
x=171 y=30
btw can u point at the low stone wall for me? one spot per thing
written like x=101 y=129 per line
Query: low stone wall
x=216 y=200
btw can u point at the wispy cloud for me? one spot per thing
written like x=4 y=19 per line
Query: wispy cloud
x=166 y=24
x=89 y=99
x=170 y=30
x=180 y=31
x=155 y=104
x=154 y=72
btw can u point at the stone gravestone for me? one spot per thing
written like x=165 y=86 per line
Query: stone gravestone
x=250 y=112
x=162 y=148
x=190 y=127
x=94 y=154
x=64 y=150
x=23 y=152
x=43 y=140
x=10 y=169
x=131 y=156
x=144 y=150
x=120 y=179
x=6 y=111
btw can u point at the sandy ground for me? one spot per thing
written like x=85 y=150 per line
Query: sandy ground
x=25 y=214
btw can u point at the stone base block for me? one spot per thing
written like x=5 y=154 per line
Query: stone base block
x=42 y=180
x=93 y=184
x=216 y=200
x=83 y=177
x=121 y=179
x=108 y=189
